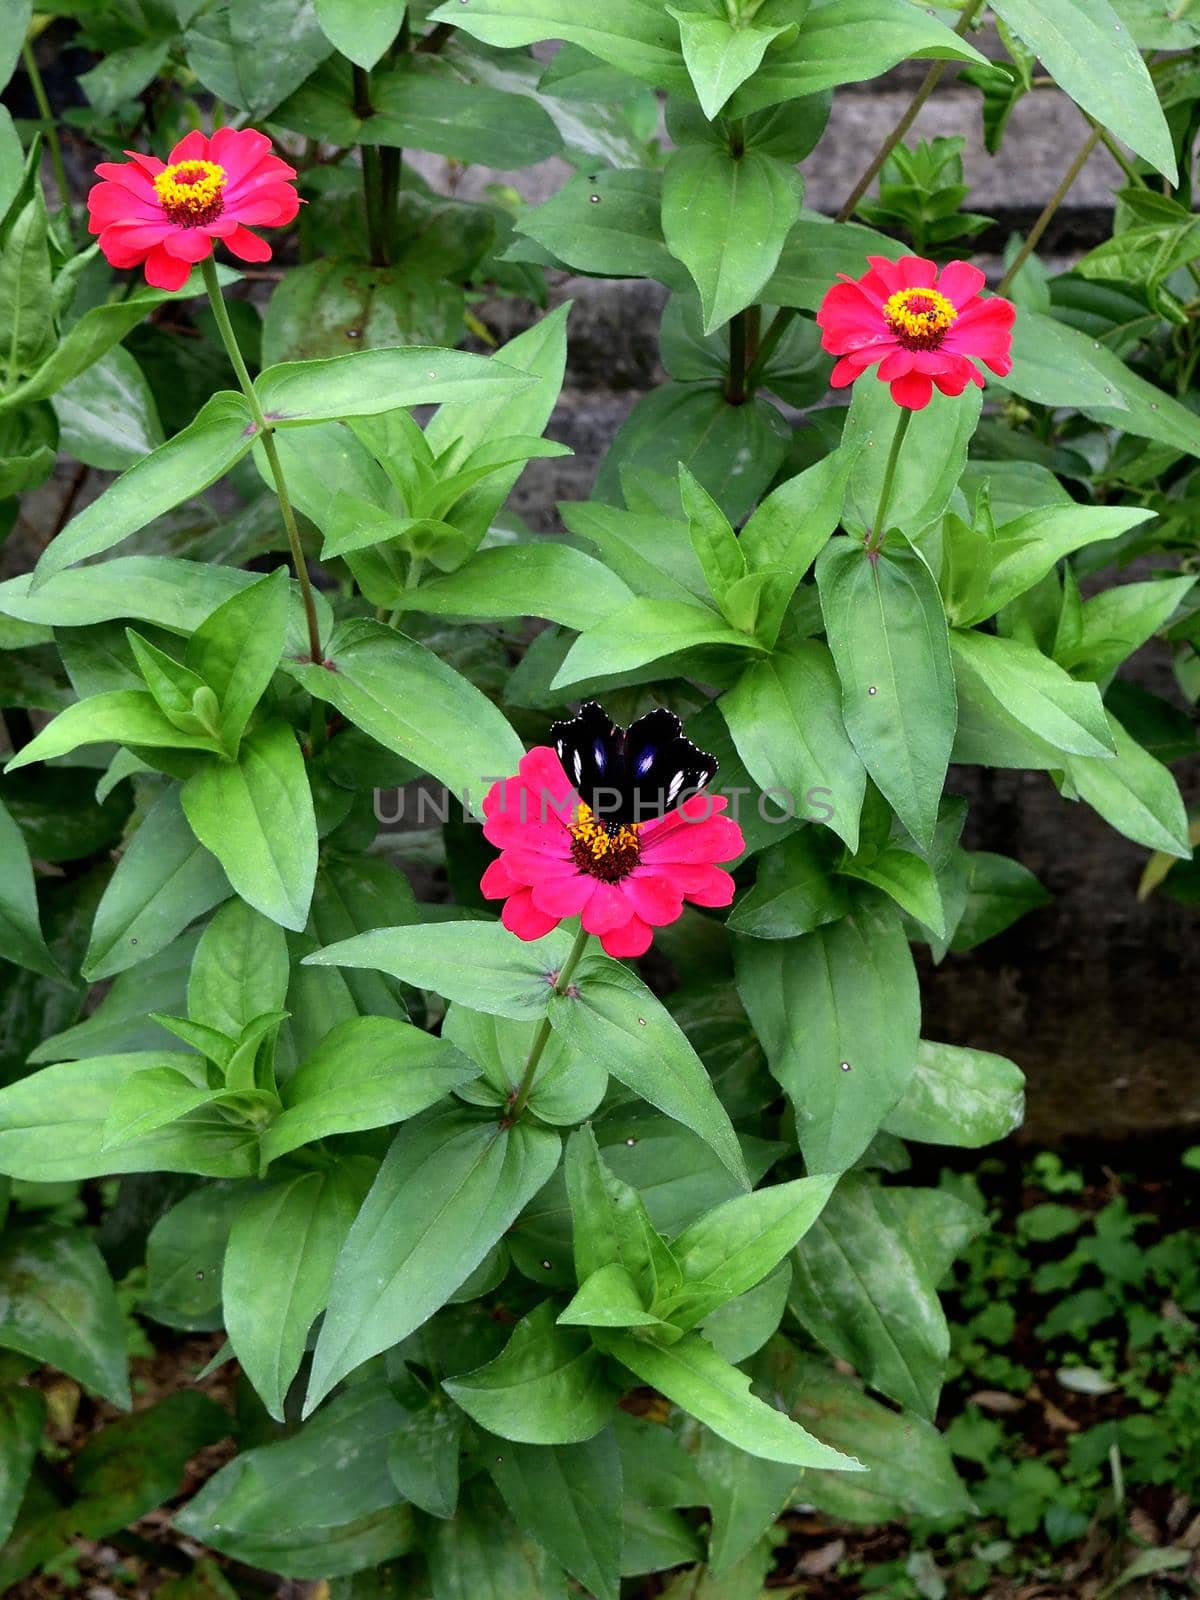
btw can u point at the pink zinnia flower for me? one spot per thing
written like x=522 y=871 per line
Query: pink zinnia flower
x=622 y=880
x=168 y=215
x=922 y=328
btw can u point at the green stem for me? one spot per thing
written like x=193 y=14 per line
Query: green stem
x=879 y=528
x=739 y=365
x=208 y=269
x=372 y=172
x=47 y=116
x=520 y=1098
x=1049 y=210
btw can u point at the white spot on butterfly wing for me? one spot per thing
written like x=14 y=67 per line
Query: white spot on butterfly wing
x=675 y=785
x=578 y=765
x=646 y=761
x=601 y=755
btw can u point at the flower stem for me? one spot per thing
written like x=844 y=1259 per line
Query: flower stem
x=739 y=357
x=1047 y=217
x=372 y=173
x=208 y=269
x=47 y=116
x=879 y=529
x=516 y=1105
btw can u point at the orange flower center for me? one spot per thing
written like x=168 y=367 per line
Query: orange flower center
x=605 y=850
x=919 y=319
x=190 y=192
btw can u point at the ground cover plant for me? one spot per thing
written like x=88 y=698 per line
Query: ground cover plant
x=521 y=1176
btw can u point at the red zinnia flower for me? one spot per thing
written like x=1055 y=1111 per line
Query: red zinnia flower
x=167 y=215
x=921 y=327
x=622 y=881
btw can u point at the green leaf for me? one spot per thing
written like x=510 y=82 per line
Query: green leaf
x=207 y=448
x=368 y=1072
x=640 y=632
x=887 y=631
x=296 y=393
x=52 y=1126
x=721 y=57
x=164 y=880
x=415 y=705
x=865 y=1283
x=733 y=450
x=278 y=1269
x=910 y=1470
x=838 y=1012
x=424 y=104
x=815 y=251
x=610 y=1226
x=256 y=816
x=237 y=648
x=1026 y=548
x=746 y=1496
x=785 y=717
x=1135 y=793
x=609 y=1298
x=25 y=305
x=796 y=891
x=107 y=414
x=316 y=1504
x=726 y=219
x=965 y=1098
x=1056 y=365
x=239 y=972
x=727 y=1251
x=546 y=1387
x=717 y=547
x=790 y=527
x=184 y=1254
x=1089 y=52
x=478 y=964
x=132 y=1465
x=907 y=879
x=1117 y=621
x=931 y=460
x=154 y=1099
x=463 y=426
x=695 y=1377
x=526 y=580
x=607 y=225
x=22 y=1417
x=21 y=936
x=1034 y=690
x=423 y=1458
x=449 y=1188
x=633 y=35
x=58 y=1305
x=252 y=56
x=123 y=716
x=479 y=1554
x=361 y=29
x=570 y=1501
x=614 y=1019
x=847 y=41
x=999 y=892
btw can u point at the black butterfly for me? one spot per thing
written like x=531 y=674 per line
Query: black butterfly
x=630 y=775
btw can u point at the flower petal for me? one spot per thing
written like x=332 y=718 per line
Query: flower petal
x=632 y=938
x=165 y=271
x=521 y=916
x=960 y=282
x=248 y=246
x=914 y=392
x=192 y=147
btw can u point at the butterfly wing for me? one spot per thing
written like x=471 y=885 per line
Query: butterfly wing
x=663 y=768
x=591 y=749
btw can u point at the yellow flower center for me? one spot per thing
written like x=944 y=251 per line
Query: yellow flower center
x=190 y=192
x=919 y=318
x=607 y=850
